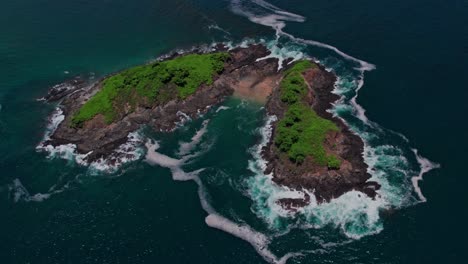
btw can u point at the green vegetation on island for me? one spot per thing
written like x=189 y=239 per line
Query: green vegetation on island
x=301 y=132
x=151 y=84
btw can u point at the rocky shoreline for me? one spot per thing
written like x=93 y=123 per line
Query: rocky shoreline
x=243 y=75
x=99 y=139
x=325 y=182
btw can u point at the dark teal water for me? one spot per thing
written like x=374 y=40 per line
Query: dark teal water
x=141 y=215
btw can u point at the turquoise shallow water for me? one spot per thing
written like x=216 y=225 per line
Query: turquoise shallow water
x=141 y=215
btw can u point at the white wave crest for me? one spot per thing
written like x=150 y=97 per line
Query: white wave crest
x=264 y=13
x=54 y=121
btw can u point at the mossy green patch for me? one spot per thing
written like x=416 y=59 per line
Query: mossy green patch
x=143 y=85
x=301 y=132
x=293 y=87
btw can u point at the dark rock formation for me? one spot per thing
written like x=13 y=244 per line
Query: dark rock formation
x=61 y=90
x=327 y=183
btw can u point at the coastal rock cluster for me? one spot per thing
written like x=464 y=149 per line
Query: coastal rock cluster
x=327 y=183
x=247 y=73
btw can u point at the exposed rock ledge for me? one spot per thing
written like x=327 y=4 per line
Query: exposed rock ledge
x=243 y=75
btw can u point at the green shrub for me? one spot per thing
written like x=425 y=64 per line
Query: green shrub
x=293 y=88
x=333 y=162
x=301 y=132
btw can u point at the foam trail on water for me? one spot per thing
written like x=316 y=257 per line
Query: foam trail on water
x=364 y=66
x=243 y=231
x=277 y=18
x=274 y=17
x=221 y=108
x=155 y=158
x=426 y=166
x=217 y=27
x=186 y=147
x=264 y=13
x=19 y=193
x=258 y=240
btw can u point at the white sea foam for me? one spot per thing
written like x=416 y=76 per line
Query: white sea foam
x=364 y=66
x=354 y=213
x=185 y=152
x=385 y=162
x=186 y=147
x=264 y=13
x=243 y=44
x=54 y=121
x=183 y=118
x=19 y=193
x=66 y=151
x=221 y=108
x=125 y=153
x=282 y=53
x=243 y=231
x=155 y=158
x=426 y=166
x=258 y=240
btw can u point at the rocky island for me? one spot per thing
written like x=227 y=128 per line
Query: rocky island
x=309 y=148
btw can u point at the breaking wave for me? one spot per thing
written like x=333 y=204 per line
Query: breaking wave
x=354 y=213
x=392 y=163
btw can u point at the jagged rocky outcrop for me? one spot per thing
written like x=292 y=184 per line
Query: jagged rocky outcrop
x=243 y=75
x=327 y=183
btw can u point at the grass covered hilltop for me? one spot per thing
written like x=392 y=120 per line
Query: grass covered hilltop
x=301 y=132
x=151 y=84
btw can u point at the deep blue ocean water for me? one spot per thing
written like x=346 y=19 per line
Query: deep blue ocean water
x=139 y=214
